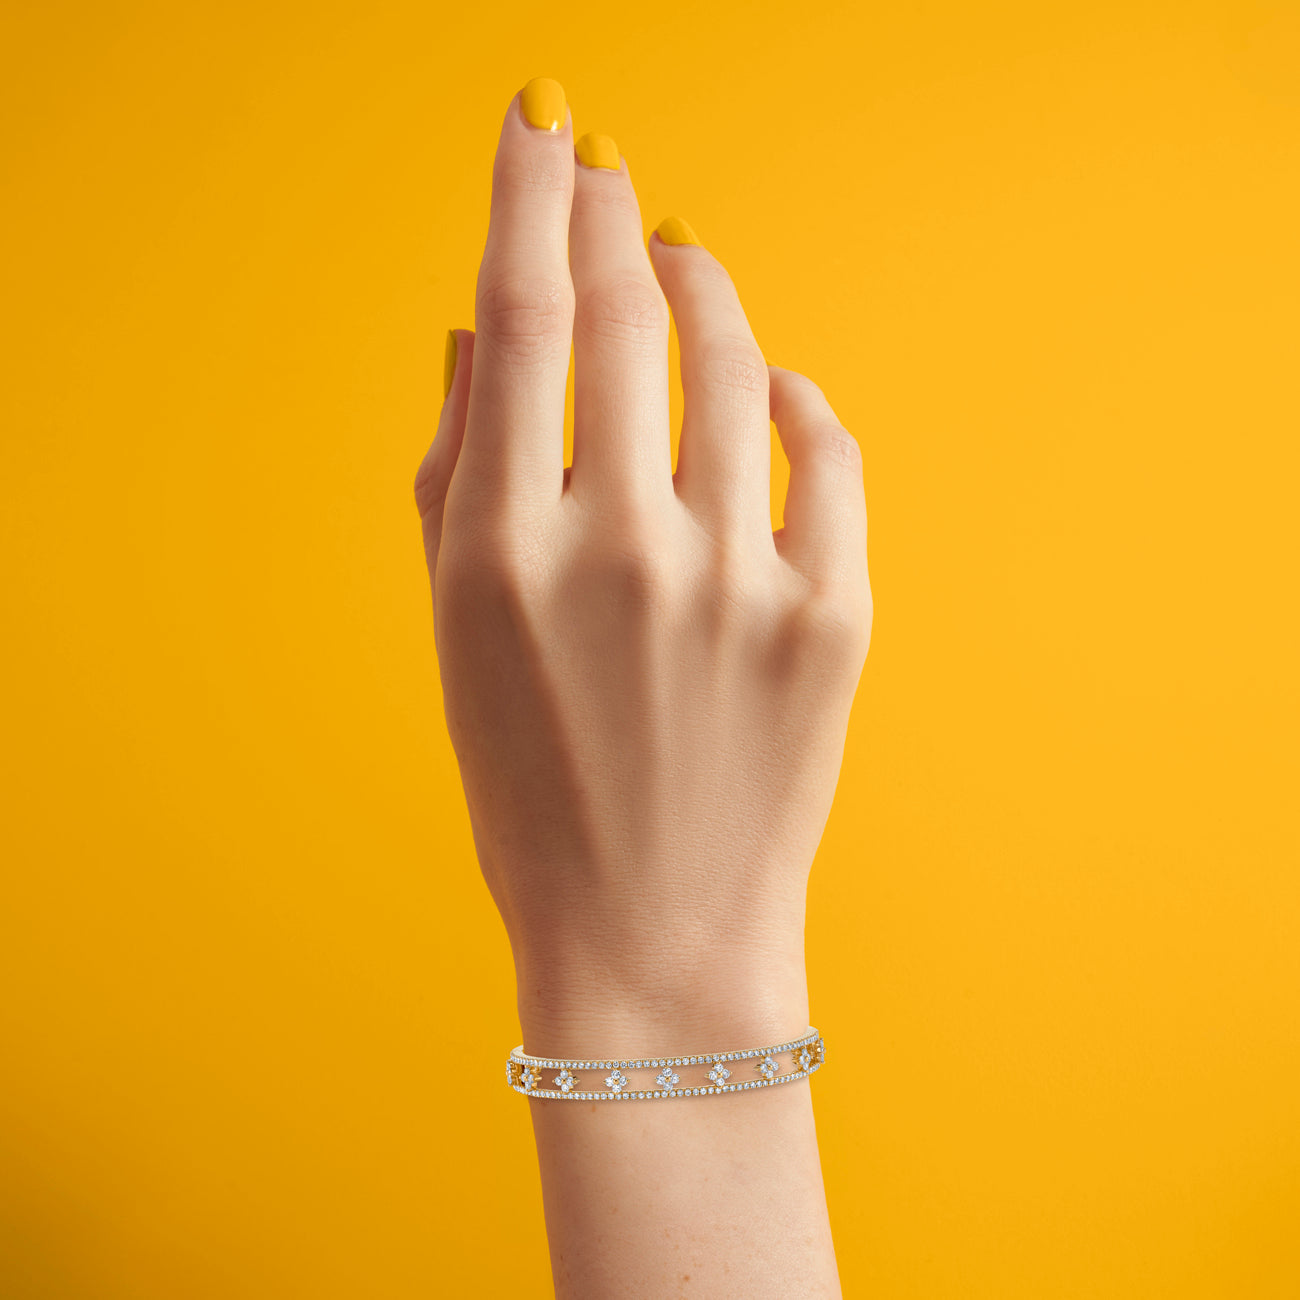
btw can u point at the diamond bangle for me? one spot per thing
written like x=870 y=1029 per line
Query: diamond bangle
x=718 y=1072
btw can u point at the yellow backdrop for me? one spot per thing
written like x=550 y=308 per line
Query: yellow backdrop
x=1042 y=258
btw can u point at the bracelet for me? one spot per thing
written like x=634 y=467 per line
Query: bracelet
x=807 y=1054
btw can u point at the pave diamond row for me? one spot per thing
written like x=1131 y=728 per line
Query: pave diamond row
x=524 y=1073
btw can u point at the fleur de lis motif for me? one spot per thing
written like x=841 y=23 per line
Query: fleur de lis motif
x=530 y=1076
x=802 y=1059
x=564 y=1081
x=512 y=1072
x=667 y=1079
x=719 y=1074
x=819 y=1052
x=616 y=1081
x=767 y=1067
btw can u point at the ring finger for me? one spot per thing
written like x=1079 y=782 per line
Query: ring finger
x=724 y=461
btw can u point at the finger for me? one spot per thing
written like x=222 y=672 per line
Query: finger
x=514 y=435
x=622 y=448
x=724 y=456
x=433 y=478
x=824 y=532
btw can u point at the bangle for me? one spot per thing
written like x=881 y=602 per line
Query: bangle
x=807 y=1054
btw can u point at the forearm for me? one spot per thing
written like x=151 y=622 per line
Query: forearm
x=707 y=1195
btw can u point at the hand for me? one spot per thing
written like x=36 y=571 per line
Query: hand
x=647 y=689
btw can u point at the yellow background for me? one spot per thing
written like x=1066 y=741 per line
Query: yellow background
x=256 y=998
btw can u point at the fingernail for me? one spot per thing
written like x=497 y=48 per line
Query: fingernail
x=449 y=364
x=543 y=103
x=598 y=151
x=673 y=230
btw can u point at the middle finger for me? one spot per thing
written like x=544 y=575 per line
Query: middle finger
x=622 y=449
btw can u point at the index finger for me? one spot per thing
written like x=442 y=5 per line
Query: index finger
x=523 y=316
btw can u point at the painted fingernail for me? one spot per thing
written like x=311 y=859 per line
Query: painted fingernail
x=449 y=364
x=543 y=103
x=598 y=151
x=673 y=230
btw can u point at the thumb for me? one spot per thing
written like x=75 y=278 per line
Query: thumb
x=434 y=475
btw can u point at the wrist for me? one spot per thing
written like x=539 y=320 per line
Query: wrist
x=614 y=1004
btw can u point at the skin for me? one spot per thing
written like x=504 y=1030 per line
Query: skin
x=647 y=691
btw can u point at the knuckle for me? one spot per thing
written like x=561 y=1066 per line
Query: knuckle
x=841 y=448
x=482 y=566
x=735 y=364
x=525 y=315
x=617 y=199
x=623 y=309
x=710 y=275
x=430 y=491
x=832 y=626
x=527 y=172
x=637 y=575
x=811 y=386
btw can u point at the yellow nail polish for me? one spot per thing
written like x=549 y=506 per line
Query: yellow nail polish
x=449 y=364
x=598 y=151
x=673 y=230
x=543 y=103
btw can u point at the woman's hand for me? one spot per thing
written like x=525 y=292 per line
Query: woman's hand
x=647 y=688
